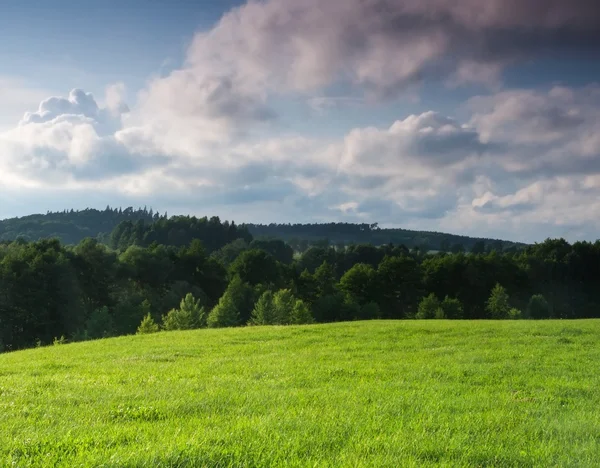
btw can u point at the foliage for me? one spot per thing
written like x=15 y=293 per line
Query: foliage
x=148 y=325
x=514 y=314
x=430 y=308
x=190 y=315
x=300 y=314
x=234 y=307
x=264 y=310
x=538 y=307
x=452 y=308
x=88 y=291
x=497 y=305
x=100 y=324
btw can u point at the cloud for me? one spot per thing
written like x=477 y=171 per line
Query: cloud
x=543 y=133
x=207 y=137
x=65 y=141
x=383 y=46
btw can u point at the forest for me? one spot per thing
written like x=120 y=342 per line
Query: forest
x=185 y=272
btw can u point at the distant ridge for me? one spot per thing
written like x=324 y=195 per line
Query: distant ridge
x=71 y=226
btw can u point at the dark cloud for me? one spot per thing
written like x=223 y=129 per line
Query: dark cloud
x=386 y=45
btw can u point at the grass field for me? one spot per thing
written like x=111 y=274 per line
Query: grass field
x=381 y=393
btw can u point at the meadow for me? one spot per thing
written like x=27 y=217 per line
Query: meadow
x=376 y=393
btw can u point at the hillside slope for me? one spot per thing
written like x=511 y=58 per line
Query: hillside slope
x=349 y=394
x=73 y=226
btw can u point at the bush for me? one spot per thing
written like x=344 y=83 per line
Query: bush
x=429 y=308
x=59 y=341
x=300 y=314
x=514 y=314
x=452 y=308
x=148 y=325
x=370 y=311
x=100 y=324
x=538 y=307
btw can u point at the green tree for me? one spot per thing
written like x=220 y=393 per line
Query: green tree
x=256 y=267
x=514 y=314
x=369 y=311
x=264 y=310
x=452 y=308
x=225 y=313
x=538 y=307
x=497 y=306
x=430 y=308
x=190 y=315
x=100 y=324
x=283 y=303
x=300 y=314
x=358 y=283
x=148 y=325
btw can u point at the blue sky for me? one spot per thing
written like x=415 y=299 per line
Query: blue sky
x=479 y=119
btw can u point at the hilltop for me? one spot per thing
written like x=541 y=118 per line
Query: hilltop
x=379 y=393
x=71 y=226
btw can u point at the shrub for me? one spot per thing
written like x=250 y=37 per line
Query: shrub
x=300 y=314
x=497 y=305
x=429 y=308
x=452 y=308
x=148 y=325
x=100 y=324
x=538 y=307
x=514 y=314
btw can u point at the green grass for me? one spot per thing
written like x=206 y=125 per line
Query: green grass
x=382 y=393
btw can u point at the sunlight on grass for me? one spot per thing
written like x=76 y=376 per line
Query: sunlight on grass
x=381 y=393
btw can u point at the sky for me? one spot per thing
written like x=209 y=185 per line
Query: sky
x=462 y=116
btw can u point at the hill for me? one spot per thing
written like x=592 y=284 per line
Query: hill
x=378 y=393
x=70 y=227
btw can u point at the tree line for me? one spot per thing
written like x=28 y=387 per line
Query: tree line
x=72 y=226
x=50 y=291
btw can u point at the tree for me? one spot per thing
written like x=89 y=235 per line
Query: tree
x=256 y=267
x=264 y=310
x=430 y=308
x=300 y=314
x=148 y=325
x=538 y=307
x=283 y=303
x=358 y=283
x=100 y=324
x=369 y=311
x=452 y=308
x=190 y=307
x=225 y=313
x=399 y=283
x=190 y=315
x=497 y=306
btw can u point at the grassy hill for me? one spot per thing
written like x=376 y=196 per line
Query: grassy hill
x=379 y=393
